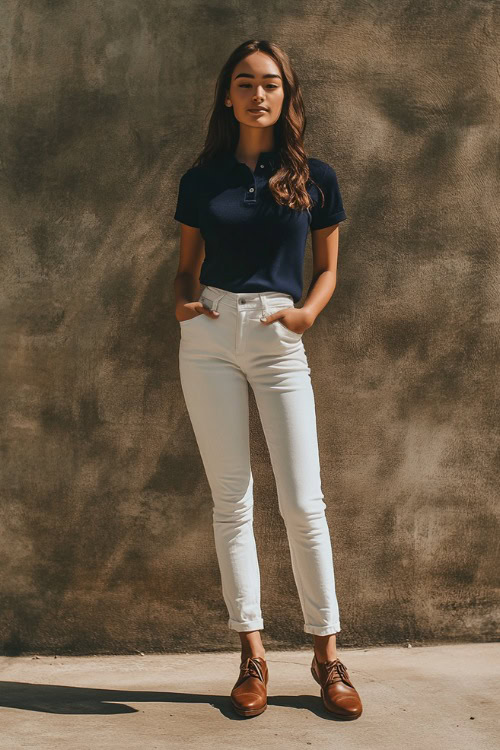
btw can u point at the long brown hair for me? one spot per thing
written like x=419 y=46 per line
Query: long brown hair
x=288 y=183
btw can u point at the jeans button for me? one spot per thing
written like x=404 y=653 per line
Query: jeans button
x=242 y=301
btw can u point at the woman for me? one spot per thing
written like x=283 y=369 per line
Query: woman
x=245 y=208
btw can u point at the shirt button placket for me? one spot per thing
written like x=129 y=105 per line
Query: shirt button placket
x=250 y=195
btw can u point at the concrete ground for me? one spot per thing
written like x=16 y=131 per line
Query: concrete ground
x=424 y=697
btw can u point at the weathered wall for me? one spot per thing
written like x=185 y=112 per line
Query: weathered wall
x=107 y=541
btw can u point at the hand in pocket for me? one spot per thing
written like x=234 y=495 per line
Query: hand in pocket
x=197 y=308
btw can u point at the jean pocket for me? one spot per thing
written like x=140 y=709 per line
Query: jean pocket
x=281 y=327
x=196 y=317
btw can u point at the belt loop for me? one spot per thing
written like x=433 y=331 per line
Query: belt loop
x=215 y=302
x=264 y=302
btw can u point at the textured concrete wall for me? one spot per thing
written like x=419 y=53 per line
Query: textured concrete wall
x=107 y=541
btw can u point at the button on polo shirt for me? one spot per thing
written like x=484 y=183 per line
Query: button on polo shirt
x=253 y=244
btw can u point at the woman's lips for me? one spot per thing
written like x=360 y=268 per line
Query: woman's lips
x=257 y=111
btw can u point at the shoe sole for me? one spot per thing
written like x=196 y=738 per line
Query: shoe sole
x=249 y=711
x=345 y=717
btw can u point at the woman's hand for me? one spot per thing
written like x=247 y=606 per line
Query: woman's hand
x=194 y=308
x=294 y=318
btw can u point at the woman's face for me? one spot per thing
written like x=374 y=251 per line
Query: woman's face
x=256 y=82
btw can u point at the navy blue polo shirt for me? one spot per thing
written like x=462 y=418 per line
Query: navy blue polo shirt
x=252 y=244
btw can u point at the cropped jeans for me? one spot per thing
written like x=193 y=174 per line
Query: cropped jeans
x=218 y=357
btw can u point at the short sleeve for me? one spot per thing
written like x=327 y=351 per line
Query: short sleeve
x=332 y=212
x=187 y=199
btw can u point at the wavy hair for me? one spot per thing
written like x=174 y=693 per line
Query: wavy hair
x=288 y=183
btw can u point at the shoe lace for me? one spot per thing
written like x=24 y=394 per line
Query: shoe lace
x=250 y=667
x=336 y=671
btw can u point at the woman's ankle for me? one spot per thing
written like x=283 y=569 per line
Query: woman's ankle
x=322 y=658
x=251 y=645
x=246 y=653
x=325 y=648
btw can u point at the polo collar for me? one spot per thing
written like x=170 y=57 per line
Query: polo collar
x=230 y=162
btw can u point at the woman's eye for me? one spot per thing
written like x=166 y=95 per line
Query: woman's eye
x=245 y=85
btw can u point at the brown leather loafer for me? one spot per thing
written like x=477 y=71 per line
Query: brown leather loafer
x=339 y=695
x=249 y=694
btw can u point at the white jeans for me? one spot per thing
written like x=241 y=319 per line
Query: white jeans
x=217 y=360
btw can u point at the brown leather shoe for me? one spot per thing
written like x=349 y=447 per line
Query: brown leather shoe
x=339 y=695
x=249 y=694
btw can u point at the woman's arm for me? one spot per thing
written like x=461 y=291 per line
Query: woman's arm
x=187 y=286
x=325 y=243
x=325 y=246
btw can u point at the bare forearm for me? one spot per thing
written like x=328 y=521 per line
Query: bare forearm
x=319 y=293
x=187 y=288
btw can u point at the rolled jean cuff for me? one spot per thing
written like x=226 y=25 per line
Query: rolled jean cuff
x=322 y=629
x=245 y=627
